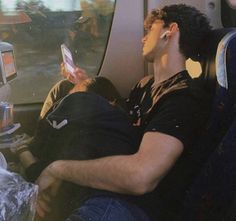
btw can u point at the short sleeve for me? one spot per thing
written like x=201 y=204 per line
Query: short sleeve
x=179 y=116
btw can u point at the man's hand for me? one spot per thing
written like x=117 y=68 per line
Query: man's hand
x=43 y=206
x=48 y=188
x=79 y=73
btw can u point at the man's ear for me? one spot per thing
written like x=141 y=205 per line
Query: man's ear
x=173 y=28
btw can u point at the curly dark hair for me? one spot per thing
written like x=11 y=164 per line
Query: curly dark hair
x=103 y=87
x=193 y=26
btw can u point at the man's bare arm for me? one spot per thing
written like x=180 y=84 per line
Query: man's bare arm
x=132 y=174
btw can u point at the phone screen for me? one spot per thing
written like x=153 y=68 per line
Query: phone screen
x=68 y=59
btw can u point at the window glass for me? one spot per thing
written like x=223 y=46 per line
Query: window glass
x=37 y=28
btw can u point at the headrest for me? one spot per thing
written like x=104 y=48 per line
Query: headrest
x=225 y=60
x=216 y=58
x=219 y=81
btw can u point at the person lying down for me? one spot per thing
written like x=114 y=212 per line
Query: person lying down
x=90 y=122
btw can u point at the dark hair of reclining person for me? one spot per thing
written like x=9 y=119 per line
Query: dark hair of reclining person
x=100 y=86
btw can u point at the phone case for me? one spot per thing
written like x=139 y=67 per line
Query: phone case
x=68 y=59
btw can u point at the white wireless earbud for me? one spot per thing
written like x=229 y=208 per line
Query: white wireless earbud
x=164 y=35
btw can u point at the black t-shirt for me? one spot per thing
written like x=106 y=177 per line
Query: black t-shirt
x=174 y=107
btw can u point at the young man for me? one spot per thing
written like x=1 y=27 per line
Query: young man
x=167 y=110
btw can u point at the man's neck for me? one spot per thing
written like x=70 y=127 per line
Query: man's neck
x=167 y=66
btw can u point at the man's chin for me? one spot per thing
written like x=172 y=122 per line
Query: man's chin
x=148 y=57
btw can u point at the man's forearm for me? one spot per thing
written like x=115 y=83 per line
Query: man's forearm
x=115 y=173
x=131 y=174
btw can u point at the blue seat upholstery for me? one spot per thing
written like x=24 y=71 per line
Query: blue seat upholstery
x=214 y=189
x=218 y=79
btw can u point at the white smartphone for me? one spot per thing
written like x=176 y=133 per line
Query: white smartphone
x=68 y=59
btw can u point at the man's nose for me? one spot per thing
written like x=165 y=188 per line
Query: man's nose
x=144 y=39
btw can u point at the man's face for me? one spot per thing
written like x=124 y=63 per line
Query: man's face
x=152 y=43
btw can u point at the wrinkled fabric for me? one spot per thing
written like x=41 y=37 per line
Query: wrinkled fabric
x=66 y=131
x=17 y=197
x=80 y=126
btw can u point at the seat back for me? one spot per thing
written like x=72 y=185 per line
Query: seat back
x=213 y=191
x=213 y=194
x=218 y=79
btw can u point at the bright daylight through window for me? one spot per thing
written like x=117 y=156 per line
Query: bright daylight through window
x=37 y=28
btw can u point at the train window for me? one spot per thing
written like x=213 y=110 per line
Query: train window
x=228 y=13
x=37 y=28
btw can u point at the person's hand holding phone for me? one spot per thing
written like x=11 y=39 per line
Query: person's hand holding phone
x=68 y=69
x=78 y=76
